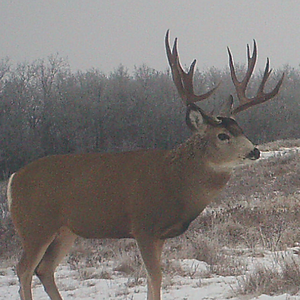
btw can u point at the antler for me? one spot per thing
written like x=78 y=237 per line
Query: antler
x=241 y=86
x=183 y=81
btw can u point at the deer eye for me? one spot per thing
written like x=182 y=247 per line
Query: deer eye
x=223 y=136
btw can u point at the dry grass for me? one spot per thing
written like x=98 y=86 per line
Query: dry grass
x=282 y=277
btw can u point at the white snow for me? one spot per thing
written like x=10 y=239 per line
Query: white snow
x=193 y=284
x=279 y=153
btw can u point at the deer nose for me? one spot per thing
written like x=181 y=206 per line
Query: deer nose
x=254 y=154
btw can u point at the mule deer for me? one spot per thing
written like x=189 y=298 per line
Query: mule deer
x=149 y=195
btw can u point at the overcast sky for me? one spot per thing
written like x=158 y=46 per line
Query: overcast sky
x=105 y=33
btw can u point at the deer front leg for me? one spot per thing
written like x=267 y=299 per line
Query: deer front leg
x=151 y=249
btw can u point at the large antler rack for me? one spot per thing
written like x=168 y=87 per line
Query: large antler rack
x=182 y=80
x=241 y=86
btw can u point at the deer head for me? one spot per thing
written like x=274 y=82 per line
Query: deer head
x=222 y=132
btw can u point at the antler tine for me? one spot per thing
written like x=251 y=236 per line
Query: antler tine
x=274 y=92
x=173 y=62
x=182 y=80
x=241 y=86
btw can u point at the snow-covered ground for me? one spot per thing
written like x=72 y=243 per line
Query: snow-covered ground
x=279 y=153
x=195 y=286
x=193 y=283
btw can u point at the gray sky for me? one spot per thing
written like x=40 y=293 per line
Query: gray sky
x=105 y=33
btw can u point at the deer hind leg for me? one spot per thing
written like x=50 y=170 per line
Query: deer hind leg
x=32 y=255
x=151 y=250
x=56 y=251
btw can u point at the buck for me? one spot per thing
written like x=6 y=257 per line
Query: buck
x=148 y=195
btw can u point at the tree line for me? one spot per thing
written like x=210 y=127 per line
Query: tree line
x=46 y=109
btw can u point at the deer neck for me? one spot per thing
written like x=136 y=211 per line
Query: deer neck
x=198 y=181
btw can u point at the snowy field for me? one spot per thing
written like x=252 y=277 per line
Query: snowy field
x=193 y=286
x=195 y=282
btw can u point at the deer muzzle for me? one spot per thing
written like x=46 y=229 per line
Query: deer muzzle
x=254 y=154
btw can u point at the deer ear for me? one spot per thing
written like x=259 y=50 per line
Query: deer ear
x=195 y=118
